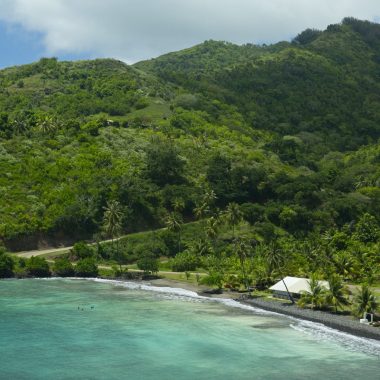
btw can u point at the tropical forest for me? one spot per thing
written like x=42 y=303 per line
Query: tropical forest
x=235 y=165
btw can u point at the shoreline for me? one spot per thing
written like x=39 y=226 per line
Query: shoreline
x=342 y=323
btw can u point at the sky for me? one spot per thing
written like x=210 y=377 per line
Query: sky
x=133 y=30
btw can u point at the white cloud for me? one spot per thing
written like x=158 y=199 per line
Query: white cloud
x=137 y=29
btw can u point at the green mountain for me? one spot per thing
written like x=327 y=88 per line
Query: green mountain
x=288 y=131
x=323 y=83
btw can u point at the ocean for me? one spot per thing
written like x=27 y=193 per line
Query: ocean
x=99 y=329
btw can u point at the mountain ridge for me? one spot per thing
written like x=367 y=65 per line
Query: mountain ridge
x=271 y=128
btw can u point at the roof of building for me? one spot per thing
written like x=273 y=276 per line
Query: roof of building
x=296 y=285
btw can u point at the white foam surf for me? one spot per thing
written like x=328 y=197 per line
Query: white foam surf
x=321 y=332
x=180 y=292
x=317 y=330
x=147 y=287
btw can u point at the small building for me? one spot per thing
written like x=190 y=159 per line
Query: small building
x=295 y=285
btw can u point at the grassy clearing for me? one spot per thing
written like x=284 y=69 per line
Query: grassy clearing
x=155 y=111
x=181 y=277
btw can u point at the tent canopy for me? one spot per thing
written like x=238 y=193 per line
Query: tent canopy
x=296 y=285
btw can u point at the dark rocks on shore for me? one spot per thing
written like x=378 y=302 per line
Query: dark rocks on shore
x=210 y=291
x=335 y=321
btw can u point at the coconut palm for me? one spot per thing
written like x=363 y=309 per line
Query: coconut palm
x=209 y=198
x=112 y=220
x=314 y=298
x=233 y=216
x=204 y=208
x=211 y=229
x=344 y=264
x=174 y=224
x=200 y=248
x=46 y=124
x=201 y=210
x=178 y=205
x=335 y=295
x=242 y=251
x=365 y=301
x=212 y=226
x=275 y=258
x=20 y=125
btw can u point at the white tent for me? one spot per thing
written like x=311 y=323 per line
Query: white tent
x=295 y=286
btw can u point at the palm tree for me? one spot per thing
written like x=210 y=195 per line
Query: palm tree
x=216 y=269
x=233 y=216
x=209 y=198
x=200 y=248
x=204 y=208
x=178 y=205
x=344 y=264
x=335 y=295
x=212 y=226
x=242 y=251
x=211 y=229
x=315 y=297
x=112 y=218
x=275 y=258
x=201 y=211
x=46 y=124
x=20 y=125
x=174 y=224
x=365 y=301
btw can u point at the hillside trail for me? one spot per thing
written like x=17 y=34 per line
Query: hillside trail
x=60 y=250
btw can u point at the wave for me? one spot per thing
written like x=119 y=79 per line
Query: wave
x=321 y=332
x=141 y=286
x=318 y=331
x=175 y=292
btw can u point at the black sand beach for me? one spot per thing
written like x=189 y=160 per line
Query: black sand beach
x=342 y=323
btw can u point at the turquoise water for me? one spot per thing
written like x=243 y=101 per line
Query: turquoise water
x=134 y=333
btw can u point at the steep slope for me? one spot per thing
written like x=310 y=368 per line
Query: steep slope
x=257 y=125
x=326 y=85
x=189 y=66
x=77 y=89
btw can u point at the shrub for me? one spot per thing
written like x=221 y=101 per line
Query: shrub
x=367 y=229
x=141 y=103
x=6 y=265
x=187 y=101
x=86 y=268
x=252 y=212
x=63 y=268
x=148 y=263
x=185 y=261
x=213 y=279
x=81 y=250
x=170 y=240
x=307 y=36
x=37 y=267
x=315 y=298
x=365 y=301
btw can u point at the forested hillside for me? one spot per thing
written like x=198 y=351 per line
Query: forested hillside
x=288 y=132
x=323 y=87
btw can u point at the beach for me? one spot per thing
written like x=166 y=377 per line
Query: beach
x=343 y=323
x=113 y=329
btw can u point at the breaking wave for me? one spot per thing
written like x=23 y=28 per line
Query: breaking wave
x=318 y=331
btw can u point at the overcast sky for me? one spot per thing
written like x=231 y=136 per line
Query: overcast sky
x=132 y=30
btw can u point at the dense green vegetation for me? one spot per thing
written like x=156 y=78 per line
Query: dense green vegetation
x=250 y=162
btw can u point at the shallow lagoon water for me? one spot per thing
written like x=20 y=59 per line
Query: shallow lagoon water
x=129 y=331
